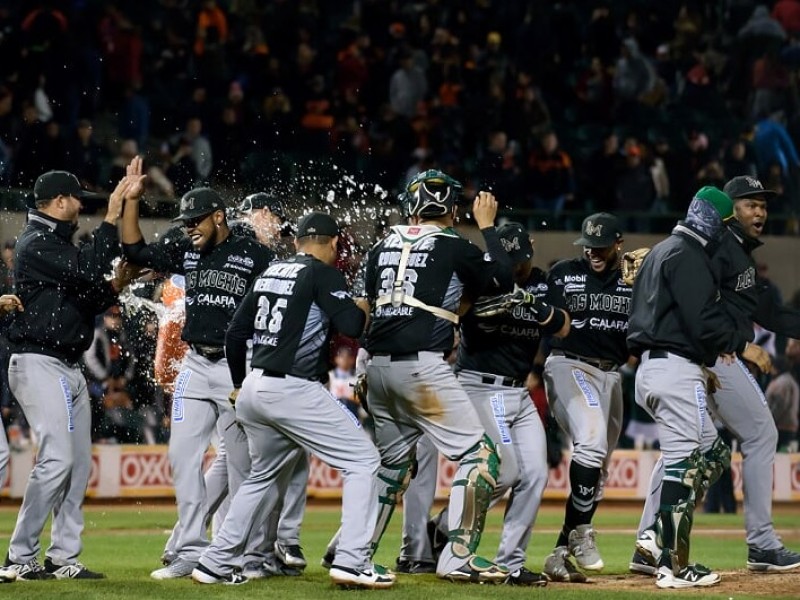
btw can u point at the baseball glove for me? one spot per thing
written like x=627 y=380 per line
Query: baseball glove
x=490 y=306
x=631 y=261
x=360 y=390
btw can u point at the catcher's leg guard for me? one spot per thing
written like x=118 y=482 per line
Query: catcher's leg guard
x=676 y=517
x=392 y=482
x=472 y=489
x=715 y=460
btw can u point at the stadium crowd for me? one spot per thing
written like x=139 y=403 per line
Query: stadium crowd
x=624 y=106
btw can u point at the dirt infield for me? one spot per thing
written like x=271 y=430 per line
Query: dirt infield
x=733 y=584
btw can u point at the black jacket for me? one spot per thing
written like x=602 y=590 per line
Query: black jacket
x=745 y=297
x=676 y=303
x=62 y=287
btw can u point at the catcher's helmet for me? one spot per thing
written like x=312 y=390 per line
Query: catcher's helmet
x=432 y=193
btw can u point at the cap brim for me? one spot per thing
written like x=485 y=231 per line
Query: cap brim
x=192 y=215
x=87 y=195
x=766 y=194
x=582 y=241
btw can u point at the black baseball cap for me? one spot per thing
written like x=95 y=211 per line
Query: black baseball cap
x=199 y=202
x=263 y=200
x=515 y=241
x=599 y=230
x=317 y=223
x=746 y=186
x=60 y=183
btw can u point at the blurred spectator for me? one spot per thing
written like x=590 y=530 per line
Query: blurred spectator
x=787 y=13
x=634 y=76
x=110 y=367
x=29 y=160
x=122 y=48
x=407 y=87
x=134 y=116
x=773 y=145
x=342 y=378
x=210 y=40
x=497 y=170
x=761 y=25
x=594 y=90
x=635 y=190
x=84 y=157
x=770 y=84
x=602 y=172
x=738 y=161
x=199 y=149
x=228 y=139
x=783 y=398
x=552 y=180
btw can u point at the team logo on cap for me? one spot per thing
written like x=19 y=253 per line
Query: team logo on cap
x=512 y=244
x=592 y=229
x=753 y=182
x=188 y=204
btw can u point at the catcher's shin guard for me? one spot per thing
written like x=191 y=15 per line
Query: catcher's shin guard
x=472 y=489
x=715 y=460
x=392 y=482
x=674 y=524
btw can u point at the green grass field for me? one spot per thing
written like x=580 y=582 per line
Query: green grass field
x=125 y=541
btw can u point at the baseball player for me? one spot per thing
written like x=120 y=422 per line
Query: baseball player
x=415 y=280
x=62 y=288
x=739 y=402
x=285 y=408
x=494 y=363
x=583 y=383
x=678 y=326
x=266 y=214
x=219 y=268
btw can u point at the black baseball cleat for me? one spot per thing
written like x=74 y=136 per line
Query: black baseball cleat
x=29 y=571
x=73 y=571
x=291 y=555
x=772 y=561
x=375 y=578
x=642 y=564
x=414 y=567
x=327 y=560
x=202 y=574
x=524 y=577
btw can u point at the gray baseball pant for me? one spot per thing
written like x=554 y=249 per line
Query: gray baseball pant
x=55 y=400
x=284 y=417
x=417 y=501
x=741 y=406
x=200 y=403
x=513 y=423
x=4 y=453
x=411 y=397
x=587 y=403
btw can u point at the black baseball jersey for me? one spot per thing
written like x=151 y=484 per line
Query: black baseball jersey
x=506 y=344
x=676 y=303
x=290 y=315
x=598 y=305
x=442 y=267
x=745 y=298
x=216 y=280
